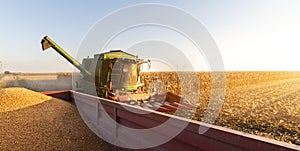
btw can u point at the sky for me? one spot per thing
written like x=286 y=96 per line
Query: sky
x=250 y=35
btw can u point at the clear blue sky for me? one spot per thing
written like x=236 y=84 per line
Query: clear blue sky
x=250 y=34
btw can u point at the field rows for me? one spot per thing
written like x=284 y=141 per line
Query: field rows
x=275 y=113
x=261 y=103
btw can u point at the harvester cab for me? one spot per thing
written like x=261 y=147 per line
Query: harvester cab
x=115 y=75
x=116 y=70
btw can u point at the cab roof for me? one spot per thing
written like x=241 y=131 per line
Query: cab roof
x=115 y=54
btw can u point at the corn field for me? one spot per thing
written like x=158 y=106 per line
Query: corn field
x=261 y=103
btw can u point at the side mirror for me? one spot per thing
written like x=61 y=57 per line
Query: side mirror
x=149 y=64
x=140 y=67
x=144 y=61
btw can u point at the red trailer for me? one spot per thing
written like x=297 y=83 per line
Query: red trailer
x=94 y=110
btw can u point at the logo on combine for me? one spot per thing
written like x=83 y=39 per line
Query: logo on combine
x=166 y=38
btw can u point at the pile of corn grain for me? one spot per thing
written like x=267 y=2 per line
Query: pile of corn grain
x=16 y=98
x=33 y=121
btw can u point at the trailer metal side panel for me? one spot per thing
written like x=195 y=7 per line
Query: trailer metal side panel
x=215 y=138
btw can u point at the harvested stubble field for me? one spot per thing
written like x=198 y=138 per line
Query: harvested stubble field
x=33 y=121
x=261 y=103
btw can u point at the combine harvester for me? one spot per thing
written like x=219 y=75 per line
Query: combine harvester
x=114 y=75
x=108 y=100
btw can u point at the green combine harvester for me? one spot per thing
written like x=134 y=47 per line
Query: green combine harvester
x=114 y=70
x=115 y=75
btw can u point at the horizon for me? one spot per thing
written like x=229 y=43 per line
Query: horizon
x=57 y=73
